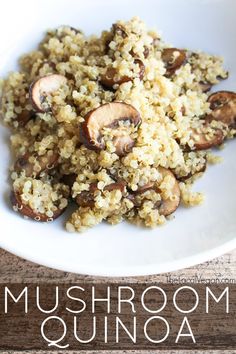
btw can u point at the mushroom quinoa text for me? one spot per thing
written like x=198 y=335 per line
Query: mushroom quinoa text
x=120 y=125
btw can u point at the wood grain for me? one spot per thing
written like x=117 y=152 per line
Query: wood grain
x=14 y=269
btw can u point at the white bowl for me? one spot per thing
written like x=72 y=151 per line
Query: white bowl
x=195 y=235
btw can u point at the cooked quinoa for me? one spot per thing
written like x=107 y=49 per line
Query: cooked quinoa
x=120 y=125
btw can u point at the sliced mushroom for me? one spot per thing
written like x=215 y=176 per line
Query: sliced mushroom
x=117 y=29
x=224 y=76
x=121 y=186
x=173 y=58
x=41 y=88
x=145 y=52
x=223 y=105
x=203 y=140
x=145 y=188
x=24 y=117
x=142 y=68
x=69 y=180
x=109 y=115
x=86 y=198
x=37 y=164
x=166 y=206
x=110 y=78
x=120 y=30
x=169 y=205
x=26 y=210
x=205 y=86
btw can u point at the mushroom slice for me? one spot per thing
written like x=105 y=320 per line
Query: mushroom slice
x=223 y=105
x=204 y=140
x=69 y=179
x=173 y=58
x=33 y=165
x=121 y=186
x=86 y=198
x=146 y=52
x=120 y=30
x=117 y=29
x=23 y=208
x=24 y=117
x=108 y=116
x=110 y=78
x=169 y=205
x=41 y=88
x=141 y=67
x=166 y=206
x=205 y=86
x=145 y=188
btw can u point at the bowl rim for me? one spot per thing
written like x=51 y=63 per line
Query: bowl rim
x=128 y=271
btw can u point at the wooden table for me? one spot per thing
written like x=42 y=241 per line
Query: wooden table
x=14 y=269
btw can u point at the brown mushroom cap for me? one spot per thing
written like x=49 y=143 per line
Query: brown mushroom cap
x=173 y=58
x=223 y=105
x=203 y=141
x=69 y=179
x=121 y=186
x=26 y=210
x=116 y=30
x=146 y=52
x=86 y=198
x=109 y=115
x=45 y=162
x=141 y=67
x=169 y=205
x=41 y=88
x=145 y=188
x=166 y=206
x=109 y=79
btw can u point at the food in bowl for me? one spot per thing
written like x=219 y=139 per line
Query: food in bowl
x=121 y=125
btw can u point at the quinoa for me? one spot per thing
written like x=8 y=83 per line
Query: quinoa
x=165 y=145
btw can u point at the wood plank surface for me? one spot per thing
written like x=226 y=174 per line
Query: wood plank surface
x=14 y=269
